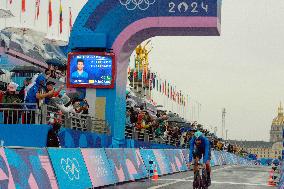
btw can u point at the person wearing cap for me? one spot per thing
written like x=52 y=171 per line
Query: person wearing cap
x=10 y=100
x=200 y=147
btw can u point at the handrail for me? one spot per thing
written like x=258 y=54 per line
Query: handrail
x=15 y=113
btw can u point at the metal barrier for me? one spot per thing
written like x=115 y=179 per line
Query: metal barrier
x=18 y=113
x=22 y=113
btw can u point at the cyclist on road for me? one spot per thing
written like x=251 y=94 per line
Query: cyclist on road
x=200 y=147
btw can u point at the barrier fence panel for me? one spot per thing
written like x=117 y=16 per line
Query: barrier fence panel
x=150 y=161
x=118 y=164
x=162 y=161
x=185 y=153
x=176 y=160
x=6 y=180
x=87 y=168
x=69 y=168
x=98 y=167
x=31 y=168
x=135 y=164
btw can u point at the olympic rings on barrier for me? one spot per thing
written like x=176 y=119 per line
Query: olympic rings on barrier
x=71 y=168
x=140 y=4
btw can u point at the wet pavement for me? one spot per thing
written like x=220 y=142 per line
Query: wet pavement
x=228 y=177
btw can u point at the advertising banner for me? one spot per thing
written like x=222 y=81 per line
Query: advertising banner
x=31 y=168
x=118 y=165
x=6 y=179
x=176 y=160
x=150 y=161
x=70 y=168
x=163 y=161
x=98 y=167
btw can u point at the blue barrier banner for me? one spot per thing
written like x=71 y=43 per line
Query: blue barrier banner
x=118 y=164
x=98 y=167
x=126 y=164
x=217 y=157
x=6 y=179
x=150 y=161
x=135 y=164
x=213 y=159
x=24 y=135
x=185 y=153
x=176 y=160
x=281 y=183
x=31 y=168
x=74 y=139
x=162 y=161
x=70 y=168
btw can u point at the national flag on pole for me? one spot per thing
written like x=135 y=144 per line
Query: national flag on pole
x=70 y=18
x=163 y=88
x=168 y=90
x=50 y=13
x=37 y=8
x=157 y=83
x=61 y=17
x=128 y=71
x=23 y=5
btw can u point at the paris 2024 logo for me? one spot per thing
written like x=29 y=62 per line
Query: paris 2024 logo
x=137 y=4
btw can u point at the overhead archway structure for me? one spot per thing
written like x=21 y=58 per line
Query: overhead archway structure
x=123 y=24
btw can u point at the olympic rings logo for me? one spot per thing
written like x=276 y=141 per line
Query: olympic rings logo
x=140 y=4
x=71 y=168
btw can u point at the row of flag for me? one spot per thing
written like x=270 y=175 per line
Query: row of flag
x=50 y=13
x=154 y=82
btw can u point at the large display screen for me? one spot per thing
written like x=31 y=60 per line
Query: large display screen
x=91 y=70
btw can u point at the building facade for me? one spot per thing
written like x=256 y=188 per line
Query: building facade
x=272 y=149
x=277 y=126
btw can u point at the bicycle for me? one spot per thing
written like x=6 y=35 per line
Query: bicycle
x=200 y=178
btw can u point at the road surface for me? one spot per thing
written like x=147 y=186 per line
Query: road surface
x=228 y=177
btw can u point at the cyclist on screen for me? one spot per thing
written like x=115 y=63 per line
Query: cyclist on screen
x=200 y=147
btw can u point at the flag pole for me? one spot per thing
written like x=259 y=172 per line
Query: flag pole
x=21 y=13
x=5 y=17
x=58 y=29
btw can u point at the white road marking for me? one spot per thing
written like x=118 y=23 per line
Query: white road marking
x=214 y=182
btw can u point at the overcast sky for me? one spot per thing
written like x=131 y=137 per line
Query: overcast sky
x=242 y=70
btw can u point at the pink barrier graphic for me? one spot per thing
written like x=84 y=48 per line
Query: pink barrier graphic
x=98 y=167
x=31 y=168
x=162 y=161
x=6 y=179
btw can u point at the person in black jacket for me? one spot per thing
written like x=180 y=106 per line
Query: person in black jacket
x=52 y=138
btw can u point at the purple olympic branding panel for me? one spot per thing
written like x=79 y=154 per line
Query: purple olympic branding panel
x=118 y=164
x=162 y=161
x=31 y=168
x=135 y=164
x=176 y=160
x=6 y=179
x=70 y=168
x=98 y=167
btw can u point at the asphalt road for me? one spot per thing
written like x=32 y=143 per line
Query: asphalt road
x=229 y=177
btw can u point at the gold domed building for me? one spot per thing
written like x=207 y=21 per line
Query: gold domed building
x=277 y=126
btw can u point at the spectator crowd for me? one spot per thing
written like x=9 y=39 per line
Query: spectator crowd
x=42 y=89
x=168 y=128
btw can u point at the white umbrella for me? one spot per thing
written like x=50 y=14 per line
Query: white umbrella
x=56 y=42
x=24 y=31
x=6 y=14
